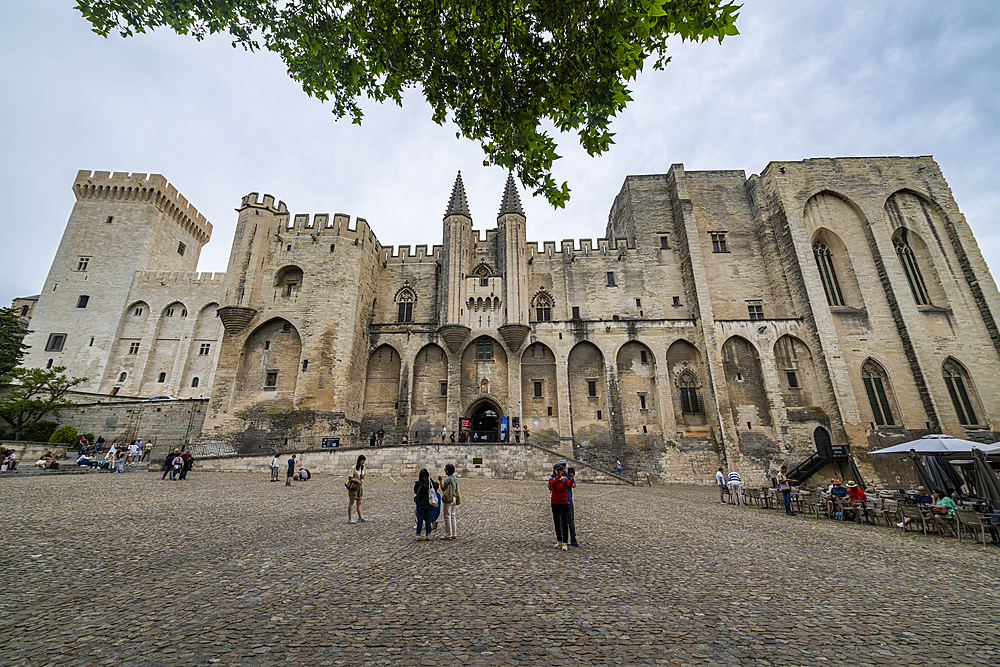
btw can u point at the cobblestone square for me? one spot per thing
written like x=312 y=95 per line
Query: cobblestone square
x=229 y=569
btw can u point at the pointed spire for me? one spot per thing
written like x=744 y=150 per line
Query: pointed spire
x=458 y=205
x=511 y=200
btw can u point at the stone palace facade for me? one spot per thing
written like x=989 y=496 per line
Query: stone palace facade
x=752 y=320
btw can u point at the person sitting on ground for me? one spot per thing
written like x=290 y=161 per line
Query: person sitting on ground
x=302 y=475
x=920 y=499
x=837 y=492
x=46 y=462
x=942 y=511
x=856 y=499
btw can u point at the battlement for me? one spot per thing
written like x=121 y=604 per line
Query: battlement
x=195 y=277
x=152 y=188
x=254 y=199
x=404 y=254
x=573 y=248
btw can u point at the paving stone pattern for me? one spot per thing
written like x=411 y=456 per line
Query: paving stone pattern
x=230 y=569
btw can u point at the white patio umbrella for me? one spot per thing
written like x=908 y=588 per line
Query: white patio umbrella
x=932 y=444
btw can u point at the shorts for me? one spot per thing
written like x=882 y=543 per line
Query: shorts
x=355 y=494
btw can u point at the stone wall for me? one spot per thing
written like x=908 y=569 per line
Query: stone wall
x=493 y=461
x=167 y=424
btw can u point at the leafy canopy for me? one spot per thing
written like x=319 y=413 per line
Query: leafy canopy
x=12 y=347
x=35 y=393
x=499 y=69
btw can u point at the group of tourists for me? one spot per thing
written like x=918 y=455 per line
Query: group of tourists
x=8 y=462
x=937 y=508
x=439 y=499
x=177 y=464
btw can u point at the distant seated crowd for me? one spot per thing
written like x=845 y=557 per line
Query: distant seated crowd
x=7 y=461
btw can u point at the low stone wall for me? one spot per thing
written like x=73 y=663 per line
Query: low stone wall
x=168 y=424
x=500 y=461
x=29 y=452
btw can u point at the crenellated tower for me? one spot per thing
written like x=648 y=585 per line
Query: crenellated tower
x=121 y=224
x=260 y=219
x=456 y=254
x=511 y=244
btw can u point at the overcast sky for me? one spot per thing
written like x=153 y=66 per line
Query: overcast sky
x=804 y=79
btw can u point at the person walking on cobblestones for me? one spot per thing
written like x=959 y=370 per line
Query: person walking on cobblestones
x=275 y=466
x=559 y=487
x=291 y=471
x=449 y=499
x=168 y=463
x=356 y=488
x=786 y=489
x=720 y=481
x=736 y=487
x=423 y=490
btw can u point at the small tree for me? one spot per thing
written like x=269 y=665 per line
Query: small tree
x=39 y=431
x=34 y=394
x=12 y=347
x=65 y=435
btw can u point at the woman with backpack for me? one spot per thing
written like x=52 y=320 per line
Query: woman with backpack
x=425 y=498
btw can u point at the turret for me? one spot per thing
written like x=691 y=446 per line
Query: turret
x=258 y=221
x=456 y=253
x=511 y=245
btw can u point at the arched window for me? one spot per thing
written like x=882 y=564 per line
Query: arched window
x=483 y=273
x=960 y=388
x=405 y=299
x=690 y=402
x=288 y=280
x=877 y=387
x=912 y=270
x=194 y=382
x=122 y=376
x=162 y=378
x=49 y=364
x=543 y=308
x=828 y=274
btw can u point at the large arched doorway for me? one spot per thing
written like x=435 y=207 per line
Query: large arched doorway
x=484 y=421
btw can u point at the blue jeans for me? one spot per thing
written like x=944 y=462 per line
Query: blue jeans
x=424 y=517
x=787 y=496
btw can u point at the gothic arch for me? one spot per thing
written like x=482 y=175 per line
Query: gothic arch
x=541 y=306
x=918 y=267
x=269 y=364
x=745 y=382
x=484 y=371
x=836 y=271
x=882 y=404
x=382 y=387
x=797 y=375
x=539 y=387
x=686 y=373
x=288 y=280
x=962 y=391
x=588 y=391
x=638 y=393
x=429 y=405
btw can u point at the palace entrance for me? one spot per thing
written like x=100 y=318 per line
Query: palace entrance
x=485 y=417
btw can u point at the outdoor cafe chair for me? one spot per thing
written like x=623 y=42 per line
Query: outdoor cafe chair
x=890 y=511
x=753 y=496
x=970 y=519
x=913 y=512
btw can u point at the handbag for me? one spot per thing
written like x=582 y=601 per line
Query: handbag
x=431 y=496
x=448 y=494
x=352 y=484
